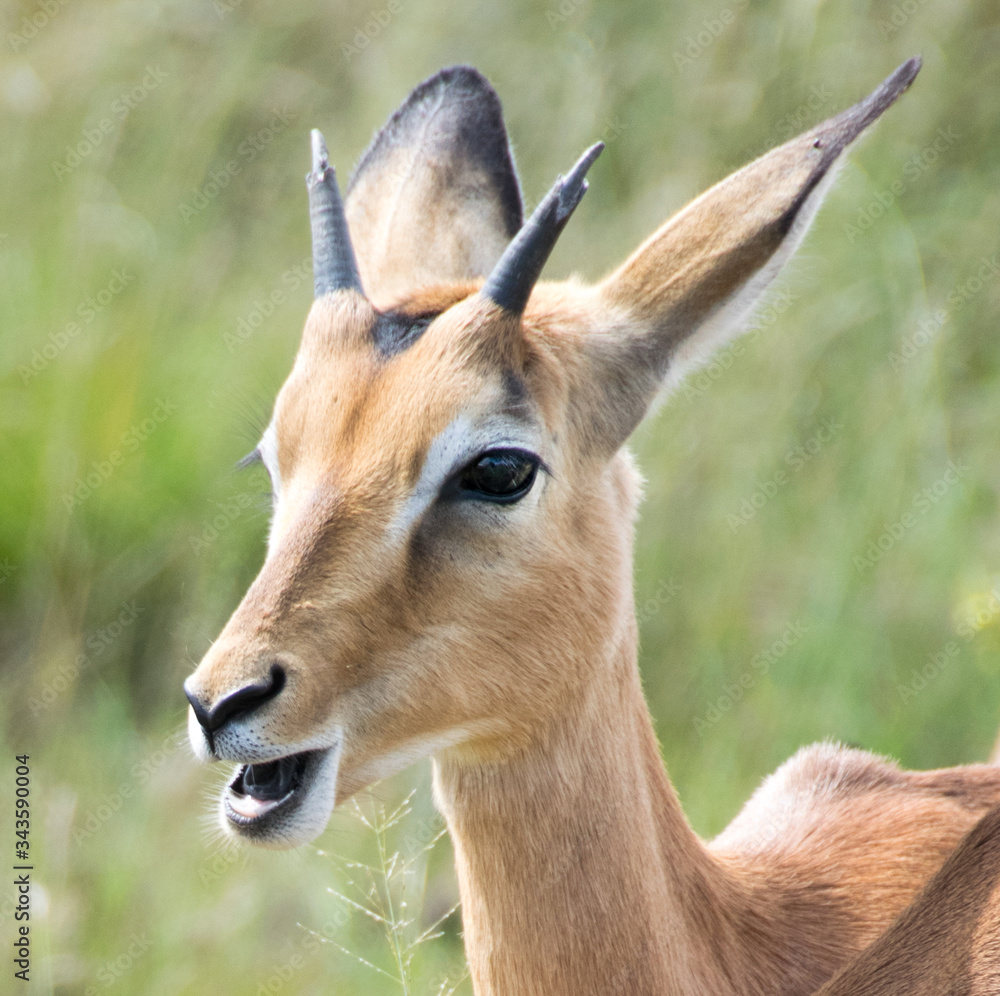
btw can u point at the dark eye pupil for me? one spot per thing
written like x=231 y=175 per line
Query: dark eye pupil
x=503 y=474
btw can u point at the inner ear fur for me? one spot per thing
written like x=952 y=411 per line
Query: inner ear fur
x=687 y=288
x=435 y=198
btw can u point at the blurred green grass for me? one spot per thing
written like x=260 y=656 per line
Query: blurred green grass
x=135 y=577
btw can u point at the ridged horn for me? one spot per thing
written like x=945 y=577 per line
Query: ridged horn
x=334 y=265
x=514 y=276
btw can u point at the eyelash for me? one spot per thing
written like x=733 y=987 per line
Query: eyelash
x=253 y=457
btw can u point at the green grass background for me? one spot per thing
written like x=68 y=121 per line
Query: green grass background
x=127 y=874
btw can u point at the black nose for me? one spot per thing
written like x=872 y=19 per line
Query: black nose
x=243 y=700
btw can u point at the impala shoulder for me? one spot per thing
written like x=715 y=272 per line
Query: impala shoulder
x=833 y=771
x=789 y=803
x=841 y=793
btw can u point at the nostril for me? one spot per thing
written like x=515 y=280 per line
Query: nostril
x=200 y=712
x=241 y=701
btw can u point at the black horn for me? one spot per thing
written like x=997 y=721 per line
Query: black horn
x=513 y=278
x=334 y=266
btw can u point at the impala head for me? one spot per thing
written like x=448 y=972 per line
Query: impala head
x=449 y=559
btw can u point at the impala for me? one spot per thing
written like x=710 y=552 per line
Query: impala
x=449 y=566
x=947 y=941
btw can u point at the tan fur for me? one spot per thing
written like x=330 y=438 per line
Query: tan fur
x=502 y=640
x=947 y=942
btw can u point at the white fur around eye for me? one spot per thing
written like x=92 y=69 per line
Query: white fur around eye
x=460 y=442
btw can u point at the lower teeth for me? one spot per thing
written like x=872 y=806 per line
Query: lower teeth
x=249 y=807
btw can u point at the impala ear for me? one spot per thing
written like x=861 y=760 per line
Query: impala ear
x=435 y=198
x=688 y=287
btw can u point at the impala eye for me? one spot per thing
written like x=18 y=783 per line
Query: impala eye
x=500 y=475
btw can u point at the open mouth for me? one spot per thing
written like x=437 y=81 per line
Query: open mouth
x=260 y=791
x=285 y=802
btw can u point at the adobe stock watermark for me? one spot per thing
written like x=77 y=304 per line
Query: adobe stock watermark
x=958 y=297
x=376 y=22
x=558 y=15
x=253 y=146
x=446 y=983
x=224 y=7
x=421 y=835
x=936 y=664
x=86 y=311
x=216 y=867
x=614 y=128
x=917 y=166
x=102 y=470
x=922 y=502
x=281 y=973
x=710 y=31
x=115 y=969
x=7 y=570
x=698 y=382
x=110 y=804
x=794 y=460
x=898 y=16
x=975 y=622
x=791 y=124
x=760 y=665
x=211 y=529
x=120 y=108
x=666 y=591
x=97 y=644
x=38 y=21
x=263 y=308
x=939 y=661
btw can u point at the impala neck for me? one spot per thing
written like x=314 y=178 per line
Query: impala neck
x=578 y=871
